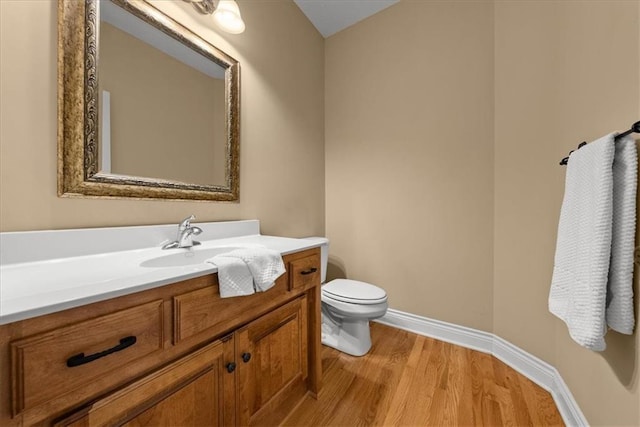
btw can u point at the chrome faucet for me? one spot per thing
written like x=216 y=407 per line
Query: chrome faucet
x=185 y=235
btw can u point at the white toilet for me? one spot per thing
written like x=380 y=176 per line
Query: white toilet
x=347 y=307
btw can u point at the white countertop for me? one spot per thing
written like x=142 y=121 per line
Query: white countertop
x=42 y=286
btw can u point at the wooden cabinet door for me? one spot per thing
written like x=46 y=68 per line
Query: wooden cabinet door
x=272 y=364
x=189 y=392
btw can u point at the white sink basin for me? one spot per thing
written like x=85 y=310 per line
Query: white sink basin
x=184 y=257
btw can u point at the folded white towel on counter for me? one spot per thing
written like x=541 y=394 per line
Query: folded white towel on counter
x=583 y=249
x=234 y=277
x=619 y=311
x=248 y=270
x=266 y=265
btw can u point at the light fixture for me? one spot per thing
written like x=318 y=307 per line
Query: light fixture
x=226 y=13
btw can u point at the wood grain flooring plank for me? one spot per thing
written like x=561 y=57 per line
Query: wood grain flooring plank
x=423 y=385
x=491 y=413
x=539 y=403
x=387 y=374
x=412 y=380
x=401 y=396
x=546 y=407
x=477 y=380
x=511 y=380
x=370 y=392
x=461 y=400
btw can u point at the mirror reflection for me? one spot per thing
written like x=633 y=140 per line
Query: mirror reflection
x=162 y=104
x=137 y=121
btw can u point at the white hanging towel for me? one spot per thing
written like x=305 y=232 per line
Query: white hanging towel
x=234 y=277
x=619 y=310
x=583 y=249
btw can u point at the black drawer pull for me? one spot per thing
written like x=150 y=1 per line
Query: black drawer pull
x=309 y=271
x=246 y=357
x=231 y=366
x=81 y=359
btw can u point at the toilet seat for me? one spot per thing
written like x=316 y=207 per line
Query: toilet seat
x=354 y=292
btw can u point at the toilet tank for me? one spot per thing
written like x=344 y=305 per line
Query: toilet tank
x=324 y=255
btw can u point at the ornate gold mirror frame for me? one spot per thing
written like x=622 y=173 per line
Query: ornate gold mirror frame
x=78 y=163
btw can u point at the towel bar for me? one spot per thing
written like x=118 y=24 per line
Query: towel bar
x=635 y=128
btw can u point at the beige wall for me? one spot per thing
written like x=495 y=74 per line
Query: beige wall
x=282 y=124
x=409 y=157
x=167 y=118
x=566 y=71
x=428 y=183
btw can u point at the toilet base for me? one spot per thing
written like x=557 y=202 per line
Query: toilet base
x=351 y=337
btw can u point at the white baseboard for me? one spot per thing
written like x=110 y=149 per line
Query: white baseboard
x=537 y=370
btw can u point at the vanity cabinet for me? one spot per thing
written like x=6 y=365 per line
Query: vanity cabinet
x=273 y=364
x=196 y=359
x=188 y=392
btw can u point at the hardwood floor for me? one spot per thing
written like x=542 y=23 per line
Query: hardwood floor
x=411 y=380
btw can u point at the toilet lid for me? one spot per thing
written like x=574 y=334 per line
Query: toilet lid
x=354 y=292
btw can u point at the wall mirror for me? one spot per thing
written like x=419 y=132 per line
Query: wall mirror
x=146 y=108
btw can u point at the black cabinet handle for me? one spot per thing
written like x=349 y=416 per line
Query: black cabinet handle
x=246 y=357
x=81 y=359
x=309 y=271
x=231 y=367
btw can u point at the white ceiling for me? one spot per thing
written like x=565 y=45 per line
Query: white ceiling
x=331 y=16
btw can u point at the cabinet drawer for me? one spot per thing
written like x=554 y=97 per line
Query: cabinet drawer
x=188 y=392
x=203 y=309
x=50 y=364
x=304 y=271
